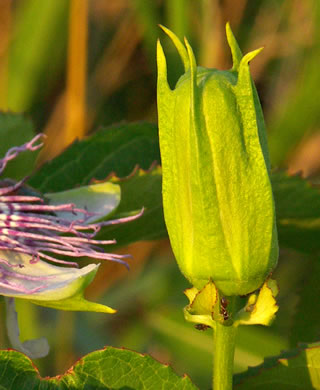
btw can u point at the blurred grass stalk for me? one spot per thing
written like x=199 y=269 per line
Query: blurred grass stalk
x=177 y=14
x=69 y=121
x=5 y=35
x=36 y=50
x=211 y=34
x=75 y=125
x=298 y=115
x=147 y=16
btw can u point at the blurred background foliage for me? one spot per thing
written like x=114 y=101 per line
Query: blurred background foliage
x=72 y=66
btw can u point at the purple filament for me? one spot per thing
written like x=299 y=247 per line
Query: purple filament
x=28 y=226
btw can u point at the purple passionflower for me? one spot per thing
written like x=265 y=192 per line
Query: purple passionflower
x=35 y=239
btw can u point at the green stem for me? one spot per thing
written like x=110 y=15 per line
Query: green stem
x=223 y=357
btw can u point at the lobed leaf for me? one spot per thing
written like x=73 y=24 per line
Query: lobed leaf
x=117 y=149
x=109 y=368
x=115 y=152
x=141 y=189
x=297 y=369
x=297 y=204
x=306 y=320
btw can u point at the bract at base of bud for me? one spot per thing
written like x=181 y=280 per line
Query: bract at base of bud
x=233 y=287
x=207 y=306
x=204 y=305
x=261 y=307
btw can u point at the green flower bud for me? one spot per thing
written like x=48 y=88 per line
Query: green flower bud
x=217 y=196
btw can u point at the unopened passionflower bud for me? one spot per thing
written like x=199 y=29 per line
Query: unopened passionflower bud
x=217 y=196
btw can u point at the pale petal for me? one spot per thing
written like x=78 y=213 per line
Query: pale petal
x=36 y=348
x=40 y=280
x=100 y=199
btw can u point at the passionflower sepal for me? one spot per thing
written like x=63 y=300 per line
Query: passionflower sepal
x=48 y=285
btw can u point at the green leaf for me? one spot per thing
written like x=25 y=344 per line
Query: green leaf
x=15 y=130
x=295 y=197
x=297 y=369
x=117 y=149
x=116 y=152
x=297 y=204
x=306 y=320
x=141 y=189
x=109 y=368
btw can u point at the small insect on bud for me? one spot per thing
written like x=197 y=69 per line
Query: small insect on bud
x=201 y=327
x=223 y=308
x=217 y=196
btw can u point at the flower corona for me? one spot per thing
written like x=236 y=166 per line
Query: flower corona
x=33 y=232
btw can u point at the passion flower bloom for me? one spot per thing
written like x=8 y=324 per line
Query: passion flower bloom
x=35 y=240
x=217 y=195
